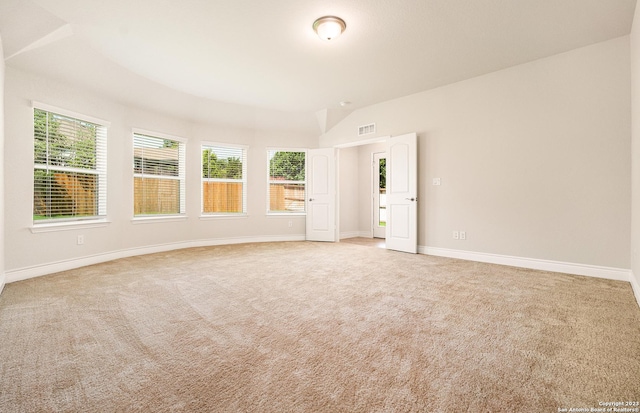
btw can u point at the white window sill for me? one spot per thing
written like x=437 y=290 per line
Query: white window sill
x=286 y=214
x=68 y=225
x=207 y=217
x=158 y=219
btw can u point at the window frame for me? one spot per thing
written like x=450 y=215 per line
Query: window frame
x=270 y=181
x=245 y=149
x=99 y=170
x=181 y=177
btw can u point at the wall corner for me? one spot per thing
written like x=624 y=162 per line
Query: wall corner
x=2 y=262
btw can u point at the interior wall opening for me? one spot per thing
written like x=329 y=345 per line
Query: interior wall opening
x=379 y=196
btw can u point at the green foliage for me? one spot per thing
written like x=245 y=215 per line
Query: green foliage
x=61 y=141
x=383 y=173
x=167 y=143
x=288 y=166
x=212 y=167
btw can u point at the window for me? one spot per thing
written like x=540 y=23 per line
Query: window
x=286 y=181
x=224 y=179
x=70 y=166
x=158 y=175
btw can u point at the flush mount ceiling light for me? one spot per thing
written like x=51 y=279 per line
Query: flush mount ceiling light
x=329 y=27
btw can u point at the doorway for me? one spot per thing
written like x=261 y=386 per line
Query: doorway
x=358 y=175
x=379 y=174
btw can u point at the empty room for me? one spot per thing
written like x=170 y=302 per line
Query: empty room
x=320 y=206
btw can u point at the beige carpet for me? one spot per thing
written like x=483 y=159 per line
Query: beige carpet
x=315 y=327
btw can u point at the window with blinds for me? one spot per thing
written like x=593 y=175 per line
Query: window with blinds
x=224 y=179
x=70 y=167
x=287 y=182
x=158 y=175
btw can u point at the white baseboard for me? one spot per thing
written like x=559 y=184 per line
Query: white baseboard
x=618 y=274
x=3 y=280
x=50 y=268
x=635 y=286
x=355 y=234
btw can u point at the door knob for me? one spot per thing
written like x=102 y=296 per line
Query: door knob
x=410 y=199
x=310 y=199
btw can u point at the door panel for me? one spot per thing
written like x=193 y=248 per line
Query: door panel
x=399 y=159
x=401 y=221
x=320 y=221
x=402 y=193
x=321 y=195
x=320 y=168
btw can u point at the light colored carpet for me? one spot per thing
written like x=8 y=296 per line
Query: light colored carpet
x=315 y=327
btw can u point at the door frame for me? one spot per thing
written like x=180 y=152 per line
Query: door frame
x=375 y=189
x=380 y=139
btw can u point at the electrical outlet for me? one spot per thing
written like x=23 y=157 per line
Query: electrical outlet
x=456 y=235
x=463 y=235
x=80 y=239
x=436 y=181
x=290 y=224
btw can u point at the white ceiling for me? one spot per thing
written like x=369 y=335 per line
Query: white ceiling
x=255 y=57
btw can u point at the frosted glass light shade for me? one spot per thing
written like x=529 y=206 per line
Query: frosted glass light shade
x=329 y=27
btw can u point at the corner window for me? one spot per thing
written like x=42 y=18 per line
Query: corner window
x=158 y=175
x=70 y=166
x=287 y=181
x=224 y=179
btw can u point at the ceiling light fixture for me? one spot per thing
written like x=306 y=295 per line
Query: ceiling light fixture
x=329 y=27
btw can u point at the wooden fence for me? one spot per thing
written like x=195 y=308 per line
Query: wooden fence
x=77 y=195
x=156 y=196
x=218 y=197
x=285 y=197
x=68 y=195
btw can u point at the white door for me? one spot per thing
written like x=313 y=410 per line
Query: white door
x=321 y=195
x=379 y=195
x=402 y=193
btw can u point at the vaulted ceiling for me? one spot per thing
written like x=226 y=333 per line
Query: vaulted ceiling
x=253 y=58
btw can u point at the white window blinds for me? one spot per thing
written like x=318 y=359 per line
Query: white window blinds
x=70 y=168
x=287 y=181
x=224 y=179
x=159 y=175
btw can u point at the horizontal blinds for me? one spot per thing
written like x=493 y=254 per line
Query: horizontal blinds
x=224 y=179
x=156 y=156
x=70 y=176
x=286 y=181
x=159 y=175
x=101 y=168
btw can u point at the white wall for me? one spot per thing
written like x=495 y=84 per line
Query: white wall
x=348 y=186
x=365 y=190
x=2 y=252
x=635 y=136
x=534 y=160
x=28 y=253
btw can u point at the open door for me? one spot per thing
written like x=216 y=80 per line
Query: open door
x=321 y=195
x=402 y=193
